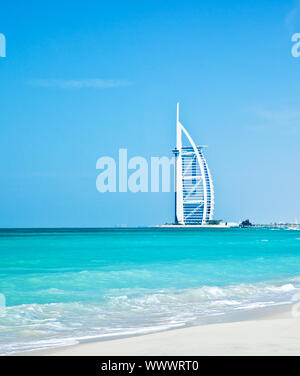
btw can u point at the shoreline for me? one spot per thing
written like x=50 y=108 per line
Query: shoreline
x=198 y=226
x=265 y=331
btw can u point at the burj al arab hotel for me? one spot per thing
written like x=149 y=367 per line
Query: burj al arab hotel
x=194 y=191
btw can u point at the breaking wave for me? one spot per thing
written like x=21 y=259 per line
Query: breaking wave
x=125 y=312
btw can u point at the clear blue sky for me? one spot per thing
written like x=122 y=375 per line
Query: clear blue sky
x=228 y=63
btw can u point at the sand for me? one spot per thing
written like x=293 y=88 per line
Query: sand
x=274 y=334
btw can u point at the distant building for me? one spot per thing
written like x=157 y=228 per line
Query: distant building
x=194 y=192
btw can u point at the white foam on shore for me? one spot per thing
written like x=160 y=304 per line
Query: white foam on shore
x=129 y=312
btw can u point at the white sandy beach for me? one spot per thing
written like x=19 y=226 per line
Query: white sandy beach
x=275 y=334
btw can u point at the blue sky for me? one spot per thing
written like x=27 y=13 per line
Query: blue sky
x=83 y=79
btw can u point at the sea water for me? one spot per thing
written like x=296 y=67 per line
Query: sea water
x=63 y=286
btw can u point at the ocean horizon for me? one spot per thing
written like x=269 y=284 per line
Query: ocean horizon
x=65 y=285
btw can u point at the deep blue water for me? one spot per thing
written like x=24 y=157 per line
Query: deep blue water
x=61 y=286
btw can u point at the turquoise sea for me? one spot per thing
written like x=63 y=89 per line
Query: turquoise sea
x=63 y=286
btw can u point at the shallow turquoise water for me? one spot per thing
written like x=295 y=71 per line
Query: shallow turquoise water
x=64 y=285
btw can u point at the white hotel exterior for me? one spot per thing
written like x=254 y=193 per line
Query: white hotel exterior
x=194 y=192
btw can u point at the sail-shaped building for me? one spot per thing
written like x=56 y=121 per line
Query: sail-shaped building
x=194 y=191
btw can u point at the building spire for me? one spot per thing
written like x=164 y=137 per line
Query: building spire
x=178 y=130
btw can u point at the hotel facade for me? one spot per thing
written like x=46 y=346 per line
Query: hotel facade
x=194 y=191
